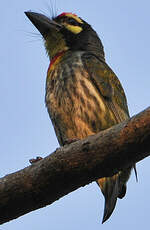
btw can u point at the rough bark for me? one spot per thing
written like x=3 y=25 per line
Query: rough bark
x=75 y=165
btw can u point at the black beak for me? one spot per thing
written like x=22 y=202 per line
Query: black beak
x=42 y=23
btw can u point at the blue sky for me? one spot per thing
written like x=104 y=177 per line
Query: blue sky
x=25 y=128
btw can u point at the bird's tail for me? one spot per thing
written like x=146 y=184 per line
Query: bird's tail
x=113 y=187
x=110 y=189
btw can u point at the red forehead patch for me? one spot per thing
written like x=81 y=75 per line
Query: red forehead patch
x=65 y=14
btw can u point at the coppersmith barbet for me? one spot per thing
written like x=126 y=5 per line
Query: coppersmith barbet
x=83 y=94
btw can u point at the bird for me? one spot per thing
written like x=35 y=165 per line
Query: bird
x=83 y=94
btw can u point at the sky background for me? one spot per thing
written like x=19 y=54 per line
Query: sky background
x=25 y=128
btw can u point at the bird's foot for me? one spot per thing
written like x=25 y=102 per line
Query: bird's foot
x=34 y=160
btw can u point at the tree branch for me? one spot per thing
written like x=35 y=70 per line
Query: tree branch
x=75 y=165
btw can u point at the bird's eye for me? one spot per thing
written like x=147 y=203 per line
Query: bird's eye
x=72 y=21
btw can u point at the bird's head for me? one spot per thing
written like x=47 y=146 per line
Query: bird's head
x=65 y=32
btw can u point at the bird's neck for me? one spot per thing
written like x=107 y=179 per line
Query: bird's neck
x=55 y=60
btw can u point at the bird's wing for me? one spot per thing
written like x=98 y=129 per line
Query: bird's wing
x=108 y=85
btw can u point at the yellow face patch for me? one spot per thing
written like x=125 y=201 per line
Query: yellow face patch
x=73 y=29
